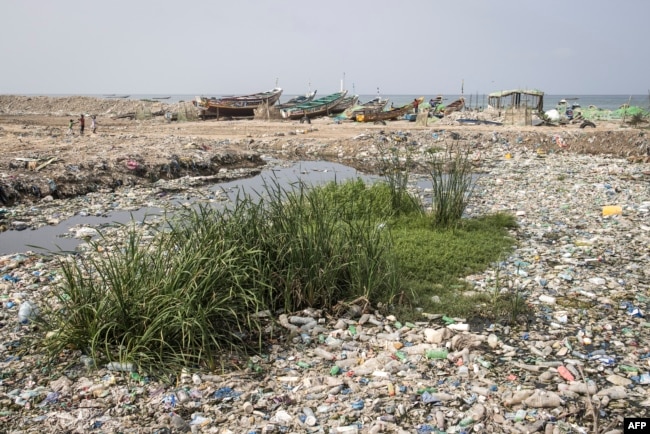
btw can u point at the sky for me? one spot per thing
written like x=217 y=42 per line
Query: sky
x=406 y=47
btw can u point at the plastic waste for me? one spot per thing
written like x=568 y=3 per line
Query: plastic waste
x=437 y=354
x=310 y=419
x=118 y=366
x=27 y=312
x=547 y=299
x=324 y=354
x=612 y=210
x=459 y=327
x=348 y=429
x=520 y=415
x=564 y=373
x=492 y=340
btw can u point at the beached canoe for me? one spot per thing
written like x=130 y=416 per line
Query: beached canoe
x=317 y=107
x=235 y=105
x=386 y=115
x=301 y=99
x=345 y=104
x=374 y=105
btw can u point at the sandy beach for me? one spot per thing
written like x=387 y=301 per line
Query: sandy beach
x=38 y=151
x=555 y=179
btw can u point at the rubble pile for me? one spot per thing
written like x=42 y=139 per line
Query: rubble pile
x=580 y=363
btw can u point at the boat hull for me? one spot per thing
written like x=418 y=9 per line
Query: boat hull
x=318 y=107
x=236 y=106
x=387 y=115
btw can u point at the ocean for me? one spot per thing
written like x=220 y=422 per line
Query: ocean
x=605 y=102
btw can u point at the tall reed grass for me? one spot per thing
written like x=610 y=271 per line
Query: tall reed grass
x=191 y=291
x=188 y=291
x=452 y=182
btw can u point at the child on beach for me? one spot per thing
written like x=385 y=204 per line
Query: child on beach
x=93 y=124
x=82 y=124
x=70 y=127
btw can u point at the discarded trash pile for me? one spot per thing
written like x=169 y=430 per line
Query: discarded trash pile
x=581 y=364
x=74 y=105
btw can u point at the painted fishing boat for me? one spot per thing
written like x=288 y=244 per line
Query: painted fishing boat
x=301 y=99
x=386 y=115
x=345 y=104
x=375 y=104
x=236 y=105
x=317 y=107
x=455 y=106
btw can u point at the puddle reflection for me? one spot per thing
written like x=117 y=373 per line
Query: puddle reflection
x=57 y=238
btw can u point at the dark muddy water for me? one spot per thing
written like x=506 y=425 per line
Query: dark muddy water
x=59 y=237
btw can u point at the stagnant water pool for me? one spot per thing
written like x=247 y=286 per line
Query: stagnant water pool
x=58 y=238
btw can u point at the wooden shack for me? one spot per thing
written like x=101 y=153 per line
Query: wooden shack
x=517 y=106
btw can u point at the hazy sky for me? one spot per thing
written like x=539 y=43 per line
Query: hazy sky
x=213 y=47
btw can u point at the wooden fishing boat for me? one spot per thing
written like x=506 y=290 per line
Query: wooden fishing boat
x=375 y=104
x=112 y=95
x=301 y=99
x=345 y=104
x=455 y=106
x=235 y=105
x=317 y=107
x=386 y=115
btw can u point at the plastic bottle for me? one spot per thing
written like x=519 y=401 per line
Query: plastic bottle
x=117 y=366
x=348 y=429
x=437 y=354
x=466 y=422
x=27 y=312
x=547 y=299
x=520 y=415
x=324 y=354
x=564 y=373
x=310 y=419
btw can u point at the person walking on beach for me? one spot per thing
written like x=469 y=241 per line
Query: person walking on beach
x=82 y=124
x=93 y=124
x=70 y=132
x=416 y=103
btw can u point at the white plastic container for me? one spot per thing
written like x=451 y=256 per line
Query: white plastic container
x=547 y=299
x=27 y=312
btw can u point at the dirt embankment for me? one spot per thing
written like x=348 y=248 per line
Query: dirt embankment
x=40 y=157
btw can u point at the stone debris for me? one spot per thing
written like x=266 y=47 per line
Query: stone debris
x=582 y=361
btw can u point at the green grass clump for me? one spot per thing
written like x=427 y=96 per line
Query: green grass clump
x=156 y=302
x=434 y=261
x=188 y=292
x=452 y=183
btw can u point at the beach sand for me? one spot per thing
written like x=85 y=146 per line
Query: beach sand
x=37 y=150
